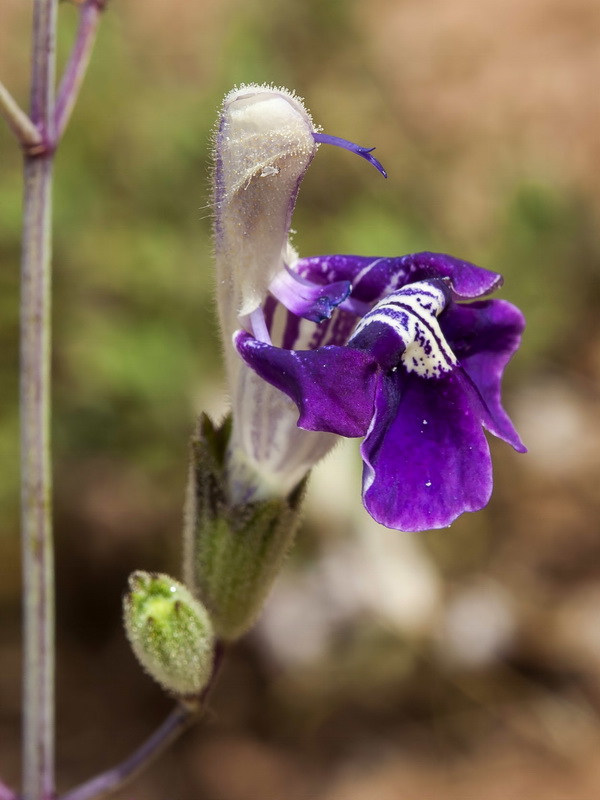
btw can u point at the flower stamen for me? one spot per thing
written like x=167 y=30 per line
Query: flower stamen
x=259 y=325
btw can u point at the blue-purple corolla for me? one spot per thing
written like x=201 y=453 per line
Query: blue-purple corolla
x=389 y=349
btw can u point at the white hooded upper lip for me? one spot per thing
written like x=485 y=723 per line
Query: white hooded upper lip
x=264 y=146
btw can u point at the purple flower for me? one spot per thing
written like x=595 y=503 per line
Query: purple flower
x=403 y=361
x=384 y=348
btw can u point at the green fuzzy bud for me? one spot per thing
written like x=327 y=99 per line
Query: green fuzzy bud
x=233 y=552
x=170 y=633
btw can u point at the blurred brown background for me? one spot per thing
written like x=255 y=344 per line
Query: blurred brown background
x=462 y=664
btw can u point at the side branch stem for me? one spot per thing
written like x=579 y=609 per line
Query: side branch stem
x=6 y=793
x=89 y=17
x=36 y=476
x=18 y=121
x=178 y=721
x=104 y=784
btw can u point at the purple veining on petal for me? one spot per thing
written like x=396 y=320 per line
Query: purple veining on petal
x=269 y=308
x=291 y=331
x=343 y=325
x=426 y=457
x=319 y=334
x=306 y=299
x=375 y=277
x=484 y=335
x=334 y=331
x=333 y=387
x=364 y=152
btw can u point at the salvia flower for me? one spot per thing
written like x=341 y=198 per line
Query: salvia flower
x=265 y=142
x=409 y=365
x=389 y=349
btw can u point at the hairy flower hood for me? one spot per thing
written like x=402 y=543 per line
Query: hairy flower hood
x=264 y=147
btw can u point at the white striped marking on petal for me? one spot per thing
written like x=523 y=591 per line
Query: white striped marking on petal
x=412 y=314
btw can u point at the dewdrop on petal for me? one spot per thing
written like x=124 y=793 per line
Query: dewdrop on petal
x=170 y=633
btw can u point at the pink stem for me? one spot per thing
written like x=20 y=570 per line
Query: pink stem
x=77 y=65
x=36 y=471
x=6 y=793
x=178 y=721
x=111 y=780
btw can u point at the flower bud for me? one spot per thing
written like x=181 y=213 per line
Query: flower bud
x=170 y=632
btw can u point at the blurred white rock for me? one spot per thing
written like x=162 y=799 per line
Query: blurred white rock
x=559 y=427
x=477 y=626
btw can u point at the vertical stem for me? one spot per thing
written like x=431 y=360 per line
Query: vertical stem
x=38 y=567
x=36 y=486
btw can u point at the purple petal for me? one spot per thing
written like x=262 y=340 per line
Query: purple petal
x=304 y=298
x=484 y=336
x=373 y=277
x=333 y=387
x=426 y=457
x=364 y=152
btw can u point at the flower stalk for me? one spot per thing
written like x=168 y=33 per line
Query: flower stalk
x=178 y=721
x=182 y=717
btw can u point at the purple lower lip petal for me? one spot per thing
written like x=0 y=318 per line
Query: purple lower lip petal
x=333 y=387
x=426 y=459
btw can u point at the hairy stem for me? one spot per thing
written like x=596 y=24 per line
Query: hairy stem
x=36 y=476
x=89 y=17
